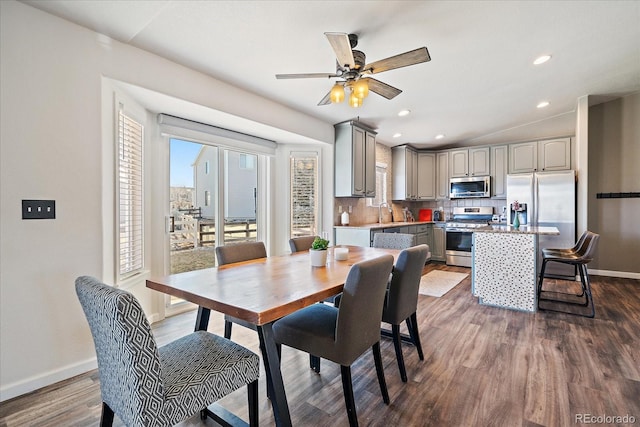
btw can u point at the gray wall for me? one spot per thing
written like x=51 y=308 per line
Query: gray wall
x=614 y=166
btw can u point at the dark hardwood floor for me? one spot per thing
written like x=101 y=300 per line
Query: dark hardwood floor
x=483 y=366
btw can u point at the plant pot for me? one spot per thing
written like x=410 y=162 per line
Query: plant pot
x=318 y=257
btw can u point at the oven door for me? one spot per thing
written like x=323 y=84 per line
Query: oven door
x=458 y=247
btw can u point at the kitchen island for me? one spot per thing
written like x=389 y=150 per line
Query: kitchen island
x=504 y=267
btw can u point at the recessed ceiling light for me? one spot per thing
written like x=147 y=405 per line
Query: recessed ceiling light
x=439 y=136
x=403 y=113
x=397 y=135
x=543 y=104
x=541 y=59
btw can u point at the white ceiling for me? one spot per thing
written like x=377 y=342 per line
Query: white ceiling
x=480 y=86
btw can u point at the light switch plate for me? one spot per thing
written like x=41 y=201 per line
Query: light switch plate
x=38 y=209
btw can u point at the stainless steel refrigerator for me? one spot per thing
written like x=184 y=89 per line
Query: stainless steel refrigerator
x=550 y=199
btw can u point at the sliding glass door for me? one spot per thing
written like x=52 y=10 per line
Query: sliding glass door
x=213 y=201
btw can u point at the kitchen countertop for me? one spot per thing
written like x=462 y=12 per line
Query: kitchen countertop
x=524 y=229
x=377 y=225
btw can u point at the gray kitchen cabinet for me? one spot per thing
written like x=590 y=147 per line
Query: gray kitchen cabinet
x=499 y=166
x=405 y=178
x=426 y=176
x=355 y=160
x=442 y=175
x=413 y=174
x=469 y=162
x=554 y=154
x=540 y=156
x=439 y=241
x=423 y=234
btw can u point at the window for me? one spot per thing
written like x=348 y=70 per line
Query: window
x=247 y=161
x=304 y=194
x=130 y=196
x=207 y=198
x=381 y=186
x=206 y=168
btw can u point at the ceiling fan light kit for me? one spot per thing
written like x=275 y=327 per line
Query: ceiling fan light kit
x=337 y=93
x=351 y=66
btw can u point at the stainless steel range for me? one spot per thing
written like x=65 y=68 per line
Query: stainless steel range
x=460 y=230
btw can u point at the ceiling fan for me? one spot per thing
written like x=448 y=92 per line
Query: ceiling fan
x=352 y=69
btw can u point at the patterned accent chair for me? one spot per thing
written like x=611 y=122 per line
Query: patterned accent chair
x=343 y=334
x=150 y=386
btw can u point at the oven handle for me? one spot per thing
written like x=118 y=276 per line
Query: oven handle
x=459 y=230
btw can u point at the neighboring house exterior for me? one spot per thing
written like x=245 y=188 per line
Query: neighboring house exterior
x=241 y=176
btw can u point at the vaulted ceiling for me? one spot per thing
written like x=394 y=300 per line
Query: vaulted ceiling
x=480 y=86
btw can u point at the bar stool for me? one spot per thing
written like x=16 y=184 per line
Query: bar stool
x=580 y=255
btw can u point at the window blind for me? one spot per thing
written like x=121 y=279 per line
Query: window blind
x=130 y=196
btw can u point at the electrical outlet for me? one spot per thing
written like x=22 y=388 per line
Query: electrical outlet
x=339 y=208
x=350 y=210
x=38 y=209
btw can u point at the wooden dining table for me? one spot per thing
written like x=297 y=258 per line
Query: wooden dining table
x=262 y=291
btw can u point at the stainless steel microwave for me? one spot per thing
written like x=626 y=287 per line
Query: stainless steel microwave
x=470 y=187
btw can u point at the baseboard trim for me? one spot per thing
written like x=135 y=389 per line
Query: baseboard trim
x=28 y=385
x=611 y=273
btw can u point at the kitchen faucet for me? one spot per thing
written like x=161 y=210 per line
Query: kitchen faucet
x=380 y=211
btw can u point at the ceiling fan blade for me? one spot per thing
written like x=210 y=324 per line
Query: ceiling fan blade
x=326 y=100
x=412 y=57
x=306 y=76
x=342 y=48
x=382 y=89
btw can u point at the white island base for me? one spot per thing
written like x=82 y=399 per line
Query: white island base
x=504 y=266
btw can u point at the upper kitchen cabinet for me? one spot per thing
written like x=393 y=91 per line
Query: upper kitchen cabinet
x=469 y=162
x=442 y=175
x=413 y=174
x=540 y=156
x=499 y=166
x=426 y=176
x=405 y=178
x=355 y=160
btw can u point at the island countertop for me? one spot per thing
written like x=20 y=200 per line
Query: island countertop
x=523 y=229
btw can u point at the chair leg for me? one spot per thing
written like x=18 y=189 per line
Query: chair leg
x=539 y=290
x=252 y=395
x=395 y=330
x=587 y=290
x=412 y=325
x=106 y=419
x=314 y=363
x=227 y=329
x=347 y=387
x=377 y=357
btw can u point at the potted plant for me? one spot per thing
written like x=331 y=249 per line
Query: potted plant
x=318 y=252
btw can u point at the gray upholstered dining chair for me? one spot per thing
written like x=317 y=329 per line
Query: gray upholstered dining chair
x=401 y=302
x=238 y=252
x=580 y=255
x=393 y=240
x=299 y=244
x=149 y=386
x=343 y=334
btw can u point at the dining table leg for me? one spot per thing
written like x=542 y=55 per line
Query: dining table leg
x=275 y=384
